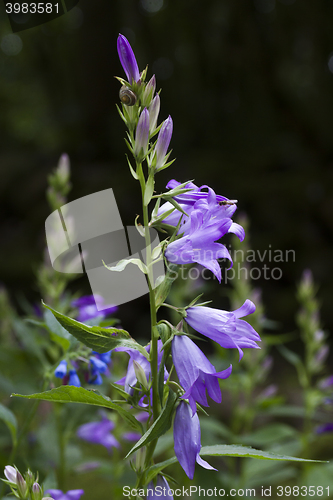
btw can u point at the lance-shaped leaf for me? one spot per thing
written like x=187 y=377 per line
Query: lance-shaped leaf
x=149 y=189
x=235 y=450
x=159 y=427
x=97 y=338
x=72 y=394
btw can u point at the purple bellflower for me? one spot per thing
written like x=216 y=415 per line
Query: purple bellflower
x=162 y=489
x=163 y=141
x=61 y=370
x=73 y=378
x=187 y=439
x=88 y=310
x=217 y=205
x=127 y=59
x=199 y=243
x=142 y=134
x=196 y=373
x=70 y=495
x=99 y=433
x=225 y=328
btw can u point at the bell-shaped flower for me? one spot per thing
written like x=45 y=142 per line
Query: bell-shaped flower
x=142 y=134
x=87 y=306
x=199 y=243
x=127 y=59
x=70 y=495
x=225 y=328
x=73 y=378
x=61 y=370
x=187 y=439
x=196 y=374
x=163 y=141
x=162 y=489
x=99 y=433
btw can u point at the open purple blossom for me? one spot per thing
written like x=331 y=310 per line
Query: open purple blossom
x=163 y=141
x=127 y=59
x=187 y=439
x=218 y=206
x=323 y=429
x=225 y=328
x=99 y=433
x=87 y=306
x=196 y=374
x=142 y=134
x=70 y=495
x=162 y=489
x=199 y=243
x=130 y=379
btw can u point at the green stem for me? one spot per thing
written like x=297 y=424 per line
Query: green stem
x=61 y=472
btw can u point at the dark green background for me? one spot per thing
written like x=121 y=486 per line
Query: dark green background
x=248 y=86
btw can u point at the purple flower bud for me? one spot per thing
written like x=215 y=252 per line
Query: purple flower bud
x=10 y=473
x=127 y=59
x=149 y=91
x=187 y=440
x=142 y=133
x=326 y=383
x=61 y=369
x=154 y=110
x=323 y=429
x=321 y=355
x=22 y=487
x=163 y=141
x=36 y=492
x=70 y=495
x=74 y=379
x=162 y=489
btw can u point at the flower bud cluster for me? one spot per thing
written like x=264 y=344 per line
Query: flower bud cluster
x=25 y=488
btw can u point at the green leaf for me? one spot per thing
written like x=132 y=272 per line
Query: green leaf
x=132 y=169
x=9 y=418
x=234 y=450
x=57 y=332
x=159 y=427
x=149 y=189
x=162 y=291
x=72 y=394
x=97 y=338
x=124 y=262
x=157 y=468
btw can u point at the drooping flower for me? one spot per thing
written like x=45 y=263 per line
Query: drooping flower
x=61 y=369
x=142 y=134
x=163 y=141
x=73 y=378
x=99 y=433
x=225 y=328
x=127 y=59
x=196 y=374
x=162 y=489
x=70 y=495
x=87 y=306
x=187 y=439
x=199 y=243
x=218 y=206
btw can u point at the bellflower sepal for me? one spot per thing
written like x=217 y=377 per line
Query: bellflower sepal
x=70 y=495
x=225 y=328
x=127 y=59
x=162 y=489
x=187 y=440
x=142 y=135
x=73 y=378
x=196 y=374
x=160 y=156
x=61 y=369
